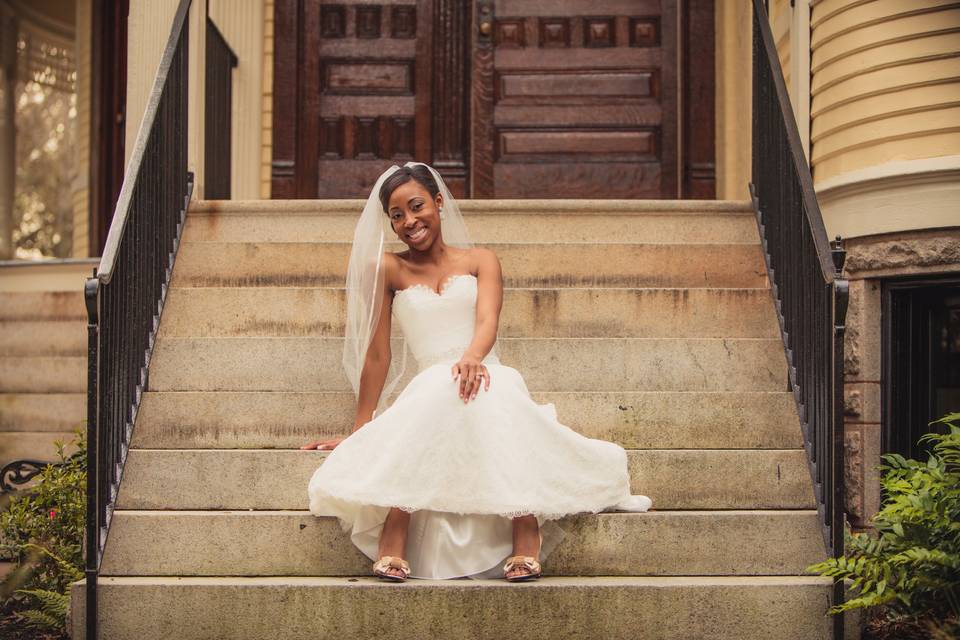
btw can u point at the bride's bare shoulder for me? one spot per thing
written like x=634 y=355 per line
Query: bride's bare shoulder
x=391 y=266
x=483 y=256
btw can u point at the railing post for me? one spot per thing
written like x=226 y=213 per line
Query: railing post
x=841 y=297
x=91 y=528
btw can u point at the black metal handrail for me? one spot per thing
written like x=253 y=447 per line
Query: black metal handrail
x=805 y=272
x=125 y=296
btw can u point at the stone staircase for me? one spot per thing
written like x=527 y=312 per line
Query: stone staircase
x=43 y=371
x=646 y=323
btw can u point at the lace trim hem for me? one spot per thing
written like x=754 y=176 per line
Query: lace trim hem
x=512 y=513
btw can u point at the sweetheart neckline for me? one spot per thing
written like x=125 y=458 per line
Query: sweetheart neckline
x=443 y=287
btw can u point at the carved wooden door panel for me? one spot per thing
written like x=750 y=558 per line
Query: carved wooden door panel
x=575 y=99
x=506 y=98
x=359 y=75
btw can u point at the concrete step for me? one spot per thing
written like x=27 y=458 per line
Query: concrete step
x=633 y=419
x=35 y=445
x=587 y=364
x=663 y=221
x=43 y=338
x=42 y=411
x=612 y=608
x=185 y=543
x=219 y=264
x=555 y=312
x=43 y=374
x=43 y=305
x=277 y=479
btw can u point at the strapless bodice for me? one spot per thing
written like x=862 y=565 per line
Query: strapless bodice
x=439 y=327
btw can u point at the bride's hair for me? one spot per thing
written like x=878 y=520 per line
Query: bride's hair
x=419 y=172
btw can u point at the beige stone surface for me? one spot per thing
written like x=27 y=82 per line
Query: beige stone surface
x=884 y=255
x=45 y=276
x=565 y=608
x=43 y=338
x=862 y=336
x=554 y=312
x=862 y=401
x=635 y=419
x=43 y=374
x=853 y=465
x=490 y=221
x=35 y=445
x=524 y=265
x=42 y=305
x=41 y=411
x=871 y=471
x=277 y=479
x=297 y=543
x=601 y=364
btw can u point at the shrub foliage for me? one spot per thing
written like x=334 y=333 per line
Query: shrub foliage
x=911 y=565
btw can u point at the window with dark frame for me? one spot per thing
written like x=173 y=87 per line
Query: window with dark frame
x=920 y=359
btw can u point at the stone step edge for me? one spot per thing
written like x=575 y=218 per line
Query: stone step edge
x=595 y=289
x=330 y=244
x=346 y=392
x=545 y=582
x=263 y=450
x=499 y=339
x=304 y=512
x=501 y=206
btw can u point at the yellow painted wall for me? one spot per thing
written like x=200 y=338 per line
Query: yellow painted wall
x=266 y=111
x=241 y=23
x=886 y=83
x=81 y=186
x=886 y=114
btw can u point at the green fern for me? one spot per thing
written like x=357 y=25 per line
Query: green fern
x=52 y=611
x=912 y=564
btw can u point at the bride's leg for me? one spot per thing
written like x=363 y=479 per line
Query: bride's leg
x=526 y=541
x=393 y=538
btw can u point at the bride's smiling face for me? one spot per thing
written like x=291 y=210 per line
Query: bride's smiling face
x=414 y=215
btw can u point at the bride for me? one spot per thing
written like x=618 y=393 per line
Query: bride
x=464 y=470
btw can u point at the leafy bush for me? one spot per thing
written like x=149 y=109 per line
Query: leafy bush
x=911 y=566
x=42 y=530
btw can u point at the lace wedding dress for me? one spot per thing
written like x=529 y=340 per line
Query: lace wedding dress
x=463 y=470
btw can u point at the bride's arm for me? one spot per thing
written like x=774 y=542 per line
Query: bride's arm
x=489 y=303
x=377 y=361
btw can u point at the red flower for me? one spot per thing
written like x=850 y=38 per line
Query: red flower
x=53 y=513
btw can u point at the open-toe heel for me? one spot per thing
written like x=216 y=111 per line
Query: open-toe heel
x=531 y=564
x=381 y=566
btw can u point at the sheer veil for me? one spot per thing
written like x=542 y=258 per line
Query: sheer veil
x=366 y=283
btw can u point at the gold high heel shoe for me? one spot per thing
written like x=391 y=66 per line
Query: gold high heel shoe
x=522 y=561
x=396 y=562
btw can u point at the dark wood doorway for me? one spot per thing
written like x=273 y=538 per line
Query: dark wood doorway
x=108 y=114
x=506 y=98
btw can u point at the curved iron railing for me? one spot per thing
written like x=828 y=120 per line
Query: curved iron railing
x=809 y=292
x=125 y=296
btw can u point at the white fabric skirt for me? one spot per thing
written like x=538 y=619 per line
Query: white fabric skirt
x=464 y=471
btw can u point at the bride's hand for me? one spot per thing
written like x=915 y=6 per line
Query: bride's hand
x=323 y=445
x=472 y=374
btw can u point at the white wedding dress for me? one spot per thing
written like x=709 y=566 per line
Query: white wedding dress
x=463 y=470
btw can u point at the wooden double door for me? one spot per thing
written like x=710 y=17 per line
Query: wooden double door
x=506 y=98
